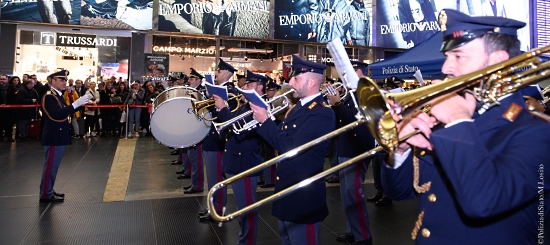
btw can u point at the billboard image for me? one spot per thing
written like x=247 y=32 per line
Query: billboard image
x=43 y=11
x=238 y=18
x=517 y=10
x=405 y=23
x=156 y=65
x=323 y=21
x=123 y=14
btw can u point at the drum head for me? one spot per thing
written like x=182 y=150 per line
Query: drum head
x=174 y=124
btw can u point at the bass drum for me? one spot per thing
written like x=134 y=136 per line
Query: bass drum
x=173 y=122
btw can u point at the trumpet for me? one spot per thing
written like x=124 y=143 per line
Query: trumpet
x=487 y=85
x=199 y=107
x=331 y=89
x=240 y=124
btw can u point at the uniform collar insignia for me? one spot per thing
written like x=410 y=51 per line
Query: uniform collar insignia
x=312 y=105
x=512 y=112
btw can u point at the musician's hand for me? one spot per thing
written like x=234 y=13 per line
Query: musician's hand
x=533 y=104
x=452 y=107
x=219 y=102
x=350 y=42
x=422 y=122
x=260 y=113
x=333 y=99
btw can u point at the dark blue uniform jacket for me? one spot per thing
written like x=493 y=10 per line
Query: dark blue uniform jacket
x=56 y=124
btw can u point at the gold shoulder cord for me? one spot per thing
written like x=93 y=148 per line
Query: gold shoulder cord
x=424 y=187
x=46 y=112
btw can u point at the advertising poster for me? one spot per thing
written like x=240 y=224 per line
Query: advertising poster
x=156 y=65
x=114 y=70
x=513 y=9
x=43 y=11
x=323 y=21
x=238 y=18
x=406 y=23
x=117 y=14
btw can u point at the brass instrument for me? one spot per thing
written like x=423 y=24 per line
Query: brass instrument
x=487 y=85
x=331 y=89
x=199 y=107
x=236 y=121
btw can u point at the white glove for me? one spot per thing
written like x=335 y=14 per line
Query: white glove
x=82 y=100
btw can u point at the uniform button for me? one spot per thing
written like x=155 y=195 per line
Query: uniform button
x=422 y=153
x=293 y=125
x=239 y=153
x=286 y=126
x=225 y=150
x=340 y=120
x=277 y=177
x=355 y=135
x=425 y=232
x=348 y=104
x=60 y=129
x=226 y=140
x=432 y=198
x=212 y=132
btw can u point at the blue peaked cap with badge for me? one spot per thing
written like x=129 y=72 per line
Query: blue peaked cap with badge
x=253 y=77
x=273 y=84
x=459 y=28
x=359 y=65
x=195 y=74
x=222 y=65
x=59 y=74
x=300 y=66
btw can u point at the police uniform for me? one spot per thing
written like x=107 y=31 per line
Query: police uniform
x=351 y=144
x=213 y=146
x=242 y=152
x=333 y=149
x=194 y=155
x=301 y=212
x=267 y=151
x=483 y=183
x=56 y=135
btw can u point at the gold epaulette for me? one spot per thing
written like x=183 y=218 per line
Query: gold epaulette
x=312 y=105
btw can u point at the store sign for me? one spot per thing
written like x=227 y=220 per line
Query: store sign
x=240 y=64
x=84 y=41
x=47 y=38
x=181 y=50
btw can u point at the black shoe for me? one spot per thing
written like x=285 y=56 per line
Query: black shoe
x=175 y=152
x=203 y=212
x=187 y=187
x=183 y=176
x=348 y=237
x=58 y=194
x=261 y=182
x=332 y=180
x=366 y=242
x=205 y=217
x=180 y=172
x=176 y=162
x=374 y=198
x=104 y=10
x=192 y=191
x=384 y=202
x=52 y=199
x=267 y=185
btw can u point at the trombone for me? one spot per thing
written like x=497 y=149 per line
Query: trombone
x=331 y=89
x=236 y=121
x=199 y=107
x=487 y=85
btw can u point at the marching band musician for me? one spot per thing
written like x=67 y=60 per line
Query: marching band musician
x=480 y=177
x=351 y=144
x=213 y=144
x=332 y=149
x=242 y=152
x=194 y=153
x=241 y=79
x=56 y=134
x=267 y=151
x=300 y=213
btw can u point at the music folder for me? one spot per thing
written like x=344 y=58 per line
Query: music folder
x=209 y=78
x=217 y=90
x=253 y=97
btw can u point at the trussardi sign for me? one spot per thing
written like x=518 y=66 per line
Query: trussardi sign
x=84 y=41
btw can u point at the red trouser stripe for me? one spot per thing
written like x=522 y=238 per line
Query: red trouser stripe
x=219 y=207
x=49 y=164
x=359 y=200
x=311 y=235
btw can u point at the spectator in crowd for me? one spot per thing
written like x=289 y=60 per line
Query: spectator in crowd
x=150 y=96
x=70 y=95
x=134 y=113
x=122 y=93
x=90 y=112
x=26 y=95
x=13 y=88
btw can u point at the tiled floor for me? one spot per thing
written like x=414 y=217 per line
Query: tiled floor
x=155 y=210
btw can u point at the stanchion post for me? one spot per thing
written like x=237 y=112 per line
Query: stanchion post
x=127 y=115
